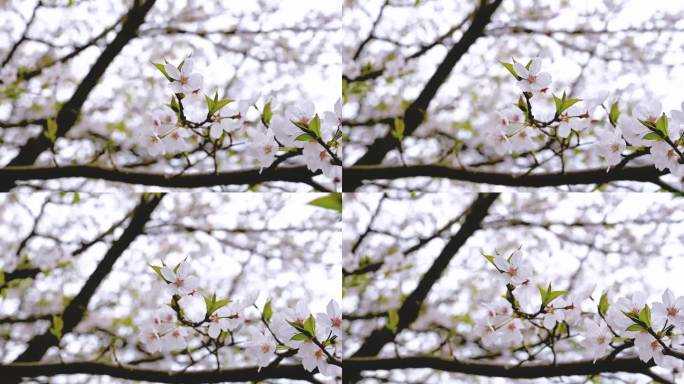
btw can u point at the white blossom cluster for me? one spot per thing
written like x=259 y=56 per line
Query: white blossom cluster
x=192 y=112
x=264 y=335
x=644 y=130
x=530 y=312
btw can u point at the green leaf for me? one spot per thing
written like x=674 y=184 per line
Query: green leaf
x=554 y=295
x=267 y=114
x=393 y=320
x=267 y=312
x=2 y=278
x=398 y=130
x=648 y=124
x=661 y=125
x=490 y=258
x=614 y=113
x=636 y=328
x=652 y=136
x=209 y=302
x=543 y=293
x=330 y=201
x=603 y=304
x=509 y=67
x=300 y=337
x=569 y=103
x=315 y=126
x=548 y=295
x=310 y=325
x=221 y=103
x=345 y=91
x=558 y=102
x=645 y=315
x=210 y=104
x=76 y=198
x=562 y=103
x=161 y=69
x=305 y=137
x=174 y=104
x=522 y=105
x=212 y=304
x=51 y=132
x=57 y=326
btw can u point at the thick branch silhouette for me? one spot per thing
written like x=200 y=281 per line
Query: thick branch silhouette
x=354 y=176
x=415 y=113
x=247 y=374
x=190 y=180
x=410 y=308
x=582 y=367
x=77 y=307
x=68 y=114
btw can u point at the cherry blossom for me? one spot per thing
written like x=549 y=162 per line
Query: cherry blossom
x=150 y=140
x=334 y=118
x=533 y=80
x=174 y=339
x=664 y=156
x=302 y=112
x=261 y=347
x=285 y=131
x=596 y=339
x=569 y=121
x=670 y=310
x=313 y=357
x=611 y=145
x=677 y=120
x=176 y=140
x=151 y=340
x=263 y=146
x=220 y=122
x=180 y=281
x=230 y=317
x=650 y=110
x=185 y=81
x=331 y=321
x=647 y=348
x=515 y=271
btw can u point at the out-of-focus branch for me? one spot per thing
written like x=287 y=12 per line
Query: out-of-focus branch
x=415 y=113
x=77 y=307
x=410 y=308
x=582 y=367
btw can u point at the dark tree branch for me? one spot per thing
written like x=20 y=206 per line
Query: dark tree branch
x=583 y=367
x=76 y=309
x=24 y=36
x=415 y=113
x=354 y=176
x=243 y=177
x=248 y=374
x=68 y=114
x=408 y=312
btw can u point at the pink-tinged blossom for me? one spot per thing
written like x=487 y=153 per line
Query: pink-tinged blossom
x=611 y=145
x=596 y=339
x=260 y=347
x=513 y=268
x=185 y=81
x=331 y=321
x=533 y=80
x=180 y=282
x=262 y=146
x=670 y=310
